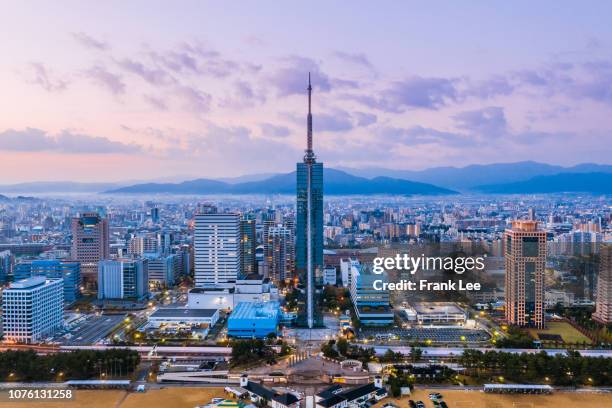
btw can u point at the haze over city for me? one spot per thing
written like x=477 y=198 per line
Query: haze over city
x=154 y=90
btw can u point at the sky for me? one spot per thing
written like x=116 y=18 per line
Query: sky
x=158 y=90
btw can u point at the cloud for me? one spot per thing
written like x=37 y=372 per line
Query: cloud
x=413 y=93
x=243 y=96
x=336 y=121
x=37 y=140
x=41 y=75
x=154 y=76
x=197 y=58
x=292 y=78
x=155 y=102
x=90 y=42
x=365 y=119
x=359 y=59
x=489 y=88
x=99 y=75
x=489 y=122
x=192 y=99
x=268 y=129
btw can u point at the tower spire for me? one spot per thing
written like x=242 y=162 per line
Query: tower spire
x=310 y=157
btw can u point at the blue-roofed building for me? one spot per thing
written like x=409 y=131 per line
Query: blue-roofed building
x=68 y=271
x=254 y=319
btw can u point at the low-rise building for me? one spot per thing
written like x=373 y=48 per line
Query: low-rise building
x=254 y=319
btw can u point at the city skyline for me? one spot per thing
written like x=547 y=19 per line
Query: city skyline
x=87 y=101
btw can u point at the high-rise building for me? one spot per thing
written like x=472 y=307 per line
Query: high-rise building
x=603 y=303
x=248 y=244
x=6 y=262
x=68 y=271
x=217 y=249
x=525 y=258
x=309 y=219
x=32 y=309
x=123 y=279
x=277 y=253
x=155 y=215
x=90 y=244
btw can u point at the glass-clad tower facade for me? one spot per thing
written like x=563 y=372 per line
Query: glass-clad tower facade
x=309 y=228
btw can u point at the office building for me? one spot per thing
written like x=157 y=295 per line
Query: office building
x=329 y=275
x=253 y=288
x=525 y=258
x=123 y=279
x=6 y=269
x=32 y=309
x=90 y=244
x=217 y=248
x=68 y=271
x=248 y=244
x=603 y=303
x=254 y=320
x=309 y=226
x=371 y=306
x=163 y=270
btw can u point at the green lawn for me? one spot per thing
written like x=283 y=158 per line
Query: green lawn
x=563 y=329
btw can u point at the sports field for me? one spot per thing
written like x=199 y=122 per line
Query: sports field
x=568 y=333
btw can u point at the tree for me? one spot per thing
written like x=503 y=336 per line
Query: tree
x=342 y=346
x=415 y=354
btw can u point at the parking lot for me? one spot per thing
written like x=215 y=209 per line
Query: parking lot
x=424 y=334
x=91 y=330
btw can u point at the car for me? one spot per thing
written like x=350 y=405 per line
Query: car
x=435 y=396
x=420 y=404
x=411 y=404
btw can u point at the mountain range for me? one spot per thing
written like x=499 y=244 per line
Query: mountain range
x=474 y=176
x=498 y=178
x=336 y=182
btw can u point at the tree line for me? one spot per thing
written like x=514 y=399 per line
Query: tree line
x=26 y=365
x=569 y=369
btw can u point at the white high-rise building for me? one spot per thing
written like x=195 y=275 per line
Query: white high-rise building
x=32 y=309
x=216 y=249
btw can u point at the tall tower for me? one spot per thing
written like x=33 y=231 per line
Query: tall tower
x=603 y=305
x=525 y=258
x=90 y=244
x=309 y=231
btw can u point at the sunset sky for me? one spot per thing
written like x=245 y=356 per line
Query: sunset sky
x=144 y=90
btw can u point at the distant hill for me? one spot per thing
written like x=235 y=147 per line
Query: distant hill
x=476 y=175
x=336 y=182
x=596 y=183
x=57 y=187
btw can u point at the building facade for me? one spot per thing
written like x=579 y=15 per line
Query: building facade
x=217 y=248
x=525 y=259
x=90 y=244
x=123 y=279
x=248 y=244
x=32 y=309
x=68 y=271
x=309 y=226
x=603 y=303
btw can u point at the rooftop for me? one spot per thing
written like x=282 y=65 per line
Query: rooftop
x=437 y=308
x=179 y=312
x=256 y=310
